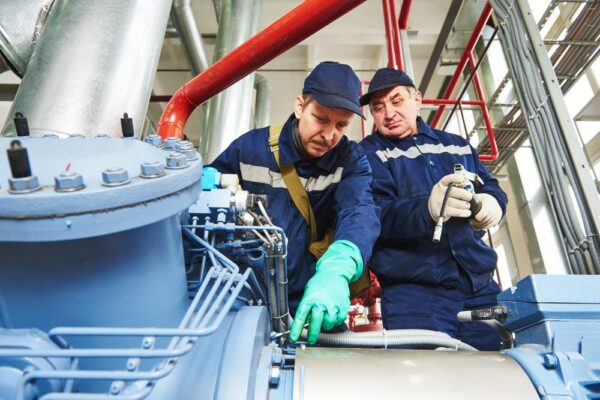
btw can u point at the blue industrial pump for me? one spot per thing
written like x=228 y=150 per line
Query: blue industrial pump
x=124 y=275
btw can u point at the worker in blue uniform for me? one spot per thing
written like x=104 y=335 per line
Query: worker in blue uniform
x=336 y=177
x=425 y=284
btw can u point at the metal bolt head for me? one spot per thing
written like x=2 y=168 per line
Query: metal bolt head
x=176 y=161
x=183 y=144
x=186 y=148
x=23 y=185
x=550 y=361
x=153 y=169
x=274 y=375
x=154 y=140
x=102 y=136
x=170 y=143
x=190 y=154
x=115 y=177
x=277 y=356
x=68 y=181
x=76 y=135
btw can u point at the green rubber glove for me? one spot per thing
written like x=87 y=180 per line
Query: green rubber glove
x=326 y=299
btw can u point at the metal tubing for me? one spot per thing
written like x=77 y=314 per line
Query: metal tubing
x=485 y=15
x=292 y=28
x=183 y=18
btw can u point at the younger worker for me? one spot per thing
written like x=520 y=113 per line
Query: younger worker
x=335 y=175
x=425 y=284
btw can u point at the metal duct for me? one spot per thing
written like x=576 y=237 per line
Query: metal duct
x=227 y=115
x=184 y=21
x=94 y=61
x=20 y=25
x=262 y=103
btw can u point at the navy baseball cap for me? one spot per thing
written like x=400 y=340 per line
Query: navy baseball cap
x=386 y=78
x=334 y=85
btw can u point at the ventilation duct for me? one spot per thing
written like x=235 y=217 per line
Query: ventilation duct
x=94 y=61
x=262 y=104
x=20 y=25
x=183 y=19
x=227 y=115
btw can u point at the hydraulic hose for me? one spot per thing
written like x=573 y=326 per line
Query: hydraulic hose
x=505 y=335
x=392 y=338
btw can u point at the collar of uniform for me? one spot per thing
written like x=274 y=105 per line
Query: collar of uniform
x=288 y=153
x=426 y=129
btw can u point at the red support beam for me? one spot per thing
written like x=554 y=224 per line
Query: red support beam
x=389 y=24
x=304 y=20
x=404 y=13
x=485 y=15
x=396 y=36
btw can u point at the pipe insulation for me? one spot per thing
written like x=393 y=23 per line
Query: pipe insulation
x=227 y=115
x=21 y=23
x=93 y=62
x=392 y=338
x=185 y=23
x=262 y=103
x=573 y=198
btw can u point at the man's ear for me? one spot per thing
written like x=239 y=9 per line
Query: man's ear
x=298 y=106
x=418 y=99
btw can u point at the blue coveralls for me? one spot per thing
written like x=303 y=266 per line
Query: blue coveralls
x=424 y=284
x=337 y=184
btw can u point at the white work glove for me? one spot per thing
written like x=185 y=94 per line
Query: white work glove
x=489 y=215
x=457 y=204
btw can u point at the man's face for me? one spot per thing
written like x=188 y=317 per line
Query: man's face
x=320 y=127
x=395 y=111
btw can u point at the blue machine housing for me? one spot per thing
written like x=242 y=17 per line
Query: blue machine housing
x=556 y=322
x=155 y=289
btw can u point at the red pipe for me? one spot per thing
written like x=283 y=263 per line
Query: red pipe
x=450 y=102
x=485 y=15
x=389 y=24
x=486 y=120
x=404 y=13
x=289 y=30
x=396 y=37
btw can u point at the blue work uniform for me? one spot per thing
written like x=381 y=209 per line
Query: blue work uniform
x=338 y=188
x=425 y=284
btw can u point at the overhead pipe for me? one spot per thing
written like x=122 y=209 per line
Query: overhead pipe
x=20 y=25
x=72 y=87
x=262 y=104
x=485 y=15
x=239 y=21
x=185 y=23
x=304 y=20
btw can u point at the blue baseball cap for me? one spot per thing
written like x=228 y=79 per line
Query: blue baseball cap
x=386 y=78
x=334 y=85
